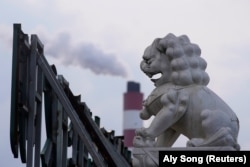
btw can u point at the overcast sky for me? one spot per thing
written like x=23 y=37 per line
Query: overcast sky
x=97 y=46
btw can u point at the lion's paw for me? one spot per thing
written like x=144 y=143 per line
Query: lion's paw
x=139 y=141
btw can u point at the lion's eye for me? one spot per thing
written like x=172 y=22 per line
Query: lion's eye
x=150 y=61
x=146 y=60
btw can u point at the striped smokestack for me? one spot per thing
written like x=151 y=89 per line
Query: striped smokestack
x=132 y=107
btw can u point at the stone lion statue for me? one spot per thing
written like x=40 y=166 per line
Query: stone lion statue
x=181 y=102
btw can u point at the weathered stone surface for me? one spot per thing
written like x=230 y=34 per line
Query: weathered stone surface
x=181 y=102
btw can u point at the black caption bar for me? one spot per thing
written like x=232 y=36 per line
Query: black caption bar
x=203 y=158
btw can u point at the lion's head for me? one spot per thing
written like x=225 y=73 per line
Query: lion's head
x=177 y=60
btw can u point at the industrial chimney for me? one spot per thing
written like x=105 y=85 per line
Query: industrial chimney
x=132 y=107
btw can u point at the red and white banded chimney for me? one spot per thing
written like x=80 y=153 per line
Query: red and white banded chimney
x=132 y=107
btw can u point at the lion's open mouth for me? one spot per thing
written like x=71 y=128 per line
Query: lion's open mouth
x=155 y=77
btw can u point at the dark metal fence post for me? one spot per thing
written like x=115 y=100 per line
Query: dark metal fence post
x=32 y=79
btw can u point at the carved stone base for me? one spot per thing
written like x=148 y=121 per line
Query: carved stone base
x=149 y=156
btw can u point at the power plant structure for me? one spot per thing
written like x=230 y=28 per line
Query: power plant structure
x=132 y=106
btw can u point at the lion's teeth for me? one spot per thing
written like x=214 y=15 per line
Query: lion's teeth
x=156 y=76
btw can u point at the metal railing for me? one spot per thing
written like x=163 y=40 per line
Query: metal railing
x=68 y=121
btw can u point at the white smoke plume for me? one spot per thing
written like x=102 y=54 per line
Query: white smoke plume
x=83 y=54
x=86 y=55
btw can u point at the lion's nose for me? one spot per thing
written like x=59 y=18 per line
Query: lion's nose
x=142 y=65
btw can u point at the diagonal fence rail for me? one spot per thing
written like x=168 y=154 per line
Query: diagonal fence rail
x=68 y=121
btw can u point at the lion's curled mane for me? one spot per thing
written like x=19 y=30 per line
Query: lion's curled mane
x=186 y=64
x=181 y=101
